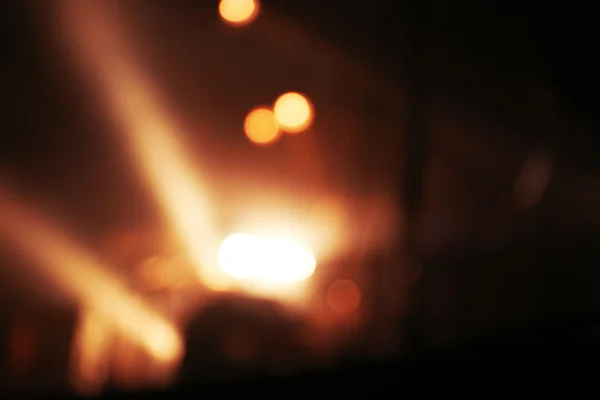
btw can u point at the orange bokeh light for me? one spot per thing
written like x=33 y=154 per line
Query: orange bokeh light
x=238 y=12
x=344 y=296
x=261 y=127
x=294 y=112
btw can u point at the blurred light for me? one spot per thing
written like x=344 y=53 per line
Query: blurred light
x=266 y=259
x=344 y=296
x=294 y=112
x=318 y=222
x=239 y=12
x=127 y=245
x=70 y=270
x=90 y=353
x=128 y=364
x=261 y=126
x=284 y=260
x=163 y=273
x=236 y=254
x=105 y=49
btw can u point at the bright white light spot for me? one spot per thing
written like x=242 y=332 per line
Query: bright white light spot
x=237 y=254
x=266 y=259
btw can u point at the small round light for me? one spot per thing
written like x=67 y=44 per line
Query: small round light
x=238 y=12
x=261 y=127
x=294 y=112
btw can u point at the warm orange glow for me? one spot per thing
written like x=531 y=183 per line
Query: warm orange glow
x=321 y=227
x=293 y=112
x=344 y=296
x=70 y=270
x=261 y=126
x=90 y=353
x=127 y=245
x=105 y=49
x=128 y=364
x=162 y=273
x=238 y=12
x=266 y=259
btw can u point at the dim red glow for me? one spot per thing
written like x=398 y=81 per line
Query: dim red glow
x=238 y=12
x=344 y=296
x=22 y=348
x=533 y=180
x=238 y=346
x=294 y=112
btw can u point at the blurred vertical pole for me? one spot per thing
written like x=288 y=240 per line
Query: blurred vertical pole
x=415 y=158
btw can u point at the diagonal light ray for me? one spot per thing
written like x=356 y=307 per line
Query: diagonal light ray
x=102 y=48
x=69 y=269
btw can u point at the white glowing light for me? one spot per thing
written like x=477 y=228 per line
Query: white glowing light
x=236 y=255
x=266 y=259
